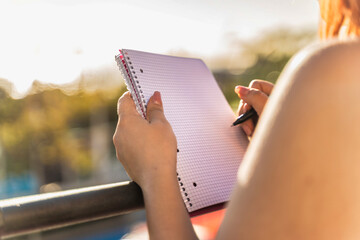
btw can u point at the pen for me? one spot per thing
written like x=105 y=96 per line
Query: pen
x=245 y=116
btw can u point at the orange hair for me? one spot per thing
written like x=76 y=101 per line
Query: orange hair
x=337 y=15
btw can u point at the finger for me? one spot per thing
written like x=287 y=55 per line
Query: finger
x=126 y=105
x=240 y=109
x=154 y=110
x=243 y=108
x=254 y=97
x=248 y=127
x=264 y=86
x=247 y=107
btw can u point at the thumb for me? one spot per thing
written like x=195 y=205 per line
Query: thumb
x=154 y=110
x=254 y=97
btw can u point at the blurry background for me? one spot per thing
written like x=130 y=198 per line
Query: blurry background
x=59 y=83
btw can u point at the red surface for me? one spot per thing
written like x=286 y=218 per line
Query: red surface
x=210 y=221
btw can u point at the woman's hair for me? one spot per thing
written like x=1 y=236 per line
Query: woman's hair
x=339 y=15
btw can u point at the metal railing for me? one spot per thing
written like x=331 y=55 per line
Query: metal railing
x=53 y=210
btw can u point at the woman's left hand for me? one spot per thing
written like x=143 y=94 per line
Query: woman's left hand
x=146 y=148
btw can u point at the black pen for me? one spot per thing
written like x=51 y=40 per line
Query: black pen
x=245 y=116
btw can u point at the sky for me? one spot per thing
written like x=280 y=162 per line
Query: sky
x=53 y=41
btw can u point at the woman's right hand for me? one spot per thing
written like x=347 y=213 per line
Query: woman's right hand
x=255 y=96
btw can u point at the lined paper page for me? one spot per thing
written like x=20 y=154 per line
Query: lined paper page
x=210 y=151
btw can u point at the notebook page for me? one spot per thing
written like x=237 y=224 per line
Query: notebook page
x=210 y=151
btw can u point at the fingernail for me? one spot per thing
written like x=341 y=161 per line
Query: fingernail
x=246 y=130
x=241 y=90
x=157 y=98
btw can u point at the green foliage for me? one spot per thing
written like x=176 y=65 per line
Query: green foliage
x=52 y=128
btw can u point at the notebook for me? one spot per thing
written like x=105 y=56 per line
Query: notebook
x=209 y=150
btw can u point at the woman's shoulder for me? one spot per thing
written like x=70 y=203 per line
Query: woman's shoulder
x=332 y=45
x=327 y=58
x=331 y=50
x=329 y=61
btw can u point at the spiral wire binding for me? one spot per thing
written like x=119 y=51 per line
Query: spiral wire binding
x=131 y=81
x=185 y=194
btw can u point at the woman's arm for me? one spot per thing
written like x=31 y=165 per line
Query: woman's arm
x=300 y=178
x=166 y=214
x=147 y=150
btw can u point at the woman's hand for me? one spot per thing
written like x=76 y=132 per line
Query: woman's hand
x=146 y=148
x=256 y=96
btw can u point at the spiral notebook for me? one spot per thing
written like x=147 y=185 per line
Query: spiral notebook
x=209 y=150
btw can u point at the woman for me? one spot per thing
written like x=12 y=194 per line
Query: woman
x=300 y=176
